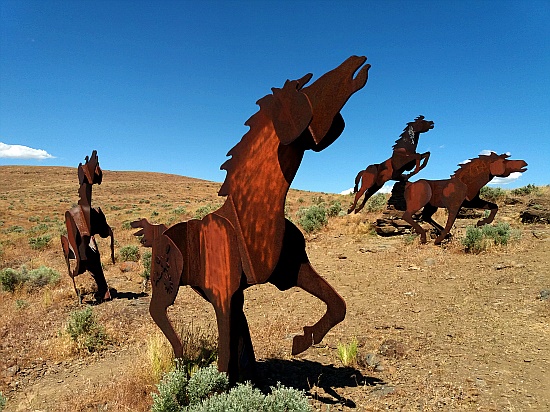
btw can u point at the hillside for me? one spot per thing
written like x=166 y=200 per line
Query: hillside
x=437 y=328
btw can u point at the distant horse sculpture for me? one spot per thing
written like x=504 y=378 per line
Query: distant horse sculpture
x=83 y=223
x=461 y=190
x=248 y=240
x=404 y=158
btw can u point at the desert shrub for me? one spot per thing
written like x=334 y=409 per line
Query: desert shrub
x=129 y=253
x=15 y=229
x=348 y=353
x=40 y=242
x=478 y=239
x=334 y=209
x=42 y=276
x=203 y=211
x=146 y=262
x=126 y=225
x=84 y=330
x=180 y=210
x=492 y=194
x=2 y=402
x=34 y=218
x=376 y=203
x=10 y=279
x=312 y=218
x=525 y=190
x=206 y=390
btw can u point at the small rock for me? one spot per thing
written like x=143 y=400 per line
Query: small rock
x=128 y=267
x=545 y=294
x=392 y=348
x=379 y=368
x=12 y=370
x=371 y=360
x=383 y=390
x=412 y=267
x=429 y=262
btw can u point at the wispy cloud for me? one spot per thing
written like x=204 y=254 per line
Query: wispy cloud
x=15 y=151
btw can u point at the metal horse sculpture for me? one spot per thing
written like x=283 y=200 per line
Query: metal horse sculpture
x=248 y=240
x=461 y=190
x=404 y=158
x=83 y=222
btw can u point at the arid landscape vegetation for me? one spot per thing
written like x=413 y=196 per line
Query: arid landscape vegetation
x=461 y=326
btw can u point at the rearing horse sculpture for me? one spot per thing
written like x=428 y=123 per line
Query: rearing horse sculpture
x=248 y=240
x=404 y=158
x=461 y=190
x=83 y=222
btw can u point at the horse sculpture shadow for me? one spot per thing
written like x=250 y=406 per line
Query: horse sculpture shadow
x=248 y=240
x=461 y=190
x=83 y=222
x=404 y=158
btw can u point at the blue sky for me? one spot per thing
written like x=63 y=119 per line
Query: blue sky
x=166 y=86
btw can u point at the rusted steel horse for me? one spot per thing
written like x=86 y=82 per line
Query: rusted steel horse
x=461 y=190
x=404 y=158
x=83 y=222
x=248 y=240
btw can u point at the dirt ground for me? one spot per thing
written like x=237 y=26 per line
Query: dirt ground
x=437 y=328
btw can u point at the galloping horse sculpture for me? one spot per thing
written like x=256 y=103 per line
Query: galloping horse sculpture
x=404 y=158
x=83 y=223
x=461 y=190
x=248 y=240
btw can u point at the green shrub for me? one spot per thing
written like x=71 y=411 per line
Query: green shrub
x=478 y=239
x=126 y=225
x=334 y=209
x=203 y=211
x=206 y=390
x=525 y=190
x=15 y=229
x=146 y=262
x=2 y=402
x=39 y=228
x=10 y=279
x=312 y=218
x=40 y=242
x=180 y=210
x=38 y=278
x=129 y=253
x=376 y=203
x=34 y=218
x=492 y=194
x=83 y=329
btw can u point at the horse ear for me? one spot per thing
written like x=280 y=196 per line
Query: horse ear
x=497 y=168
x=291 y=111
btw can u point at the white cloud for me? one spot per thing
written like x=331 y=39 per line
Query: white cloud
x=15 y=151
x=505 y=180
x=385 y=189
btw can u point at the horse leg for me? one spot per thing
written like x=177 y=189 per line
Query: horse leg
x=371 y=191
x=157 y=309
x=66 y=253
x=417 y=195
x=368 y=178
x=310 y=281
x=479 y=203
x=450 y=221
x=94 y=267
x=427 y=214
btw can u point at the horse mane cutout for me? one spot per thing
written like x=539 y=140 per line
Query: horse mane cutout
x=483 y=161
x=407 y=139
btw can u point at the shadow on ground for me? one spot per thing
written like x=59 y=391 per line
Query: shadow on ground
x=305 y=374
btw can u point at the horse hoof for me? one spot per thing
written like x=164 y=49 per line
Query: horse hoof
x=302 y=342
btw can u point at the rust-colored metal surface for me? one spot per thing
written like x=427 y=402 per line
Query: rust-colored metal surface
x=461 y=190
x=83 y=223
x=404 y=158
x=248 y=240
